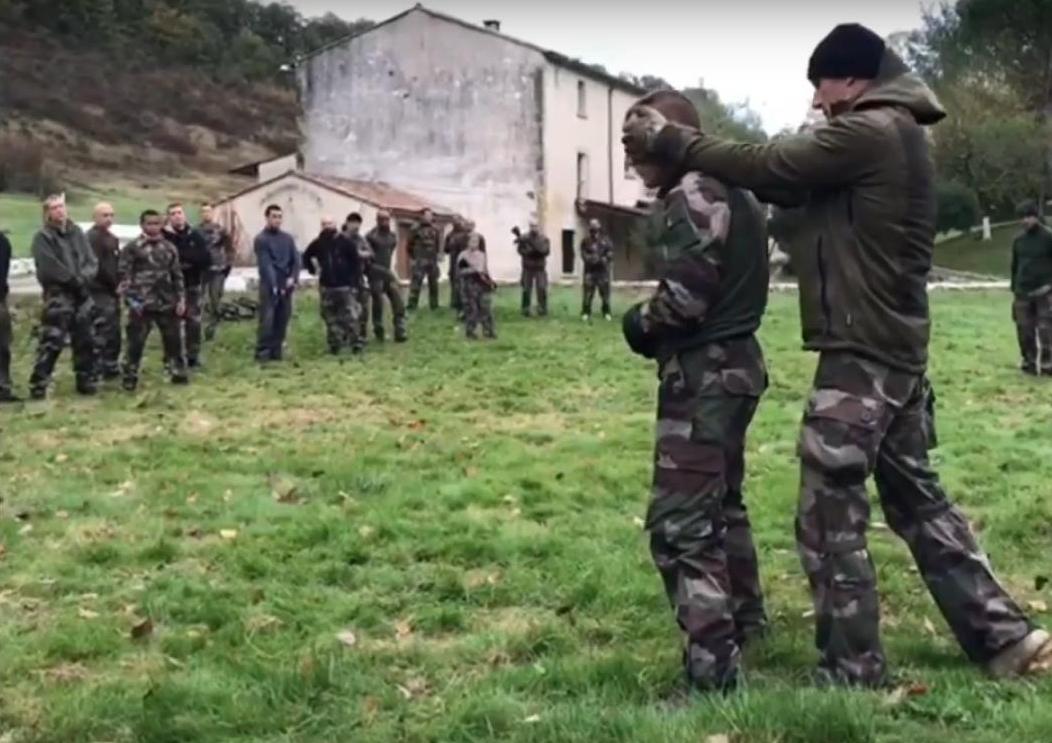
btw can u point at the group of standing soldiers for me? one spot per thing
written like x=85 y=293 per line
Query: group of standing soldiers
x=162 y=278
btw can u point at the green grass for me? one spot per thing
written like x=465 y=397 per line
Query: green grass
x=20 y=214
x=471 y=513
x=967 y=253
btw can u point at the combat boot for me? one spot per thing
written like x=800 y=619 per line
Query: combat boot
x=400 y=335
x=180 y=379
x=378 y=333
x=87 y=388
x=1031 y=656
x=7 y=397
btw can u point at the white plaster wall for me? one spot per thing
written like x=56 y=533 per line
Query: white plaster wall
x=597 y=134
x=270 y=170
x=437 y=109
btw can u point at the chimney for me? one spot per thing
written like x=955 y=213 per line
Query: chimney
x=492 y=25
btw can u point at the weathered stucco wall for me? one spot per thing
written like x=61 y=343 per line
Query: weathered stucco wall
x=438 y=109
x=572 y=131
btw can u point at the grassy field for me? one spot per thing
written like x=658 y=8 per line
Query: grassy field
x=966 y=253
x=442 y=543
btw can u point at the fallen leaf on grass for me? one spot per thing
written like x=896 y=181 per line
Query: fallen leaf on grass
x=3 y=550
x=929 y=627
x=907 y=691
x=809 y=614
x=284 y=489
x=87 y=613
x=640 y=523
x=228 y=534
x=403 y=630
x=192 y=499
x=60 y=458
x=62 y=515
x=417 y=425
x=66 y=673
x=348 y=638
x=262 y=623
x=366 y=531
x=1038 y=607
x=531 y=720
x=414 y=688
x=879 y=526
x=721 y=738
x=142 y=630
x=25 y=530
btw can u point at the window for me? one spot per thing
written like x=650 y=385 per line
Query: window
x=582 y=175
x=582 y=100
x=568 y=251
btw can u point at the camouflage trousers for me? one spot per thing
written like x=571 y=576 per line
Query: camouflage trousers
x=191 y=323
x=478 y=307
x=535 y=279
x=107 y=327
x=215 y=285
x=339 y=311
x=64 y=314
x=424 y=271
x=865 y=418
x=384 y=284
x=596 y=280
x=5 y=349
x=1033 y=322
x=138 y=329
x=700 y=536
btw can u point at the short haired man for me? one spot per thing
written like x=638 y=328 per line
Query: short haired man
x=597 y=254
x=196 y=262
x=222 y=254
x=533 y=249
x=152 y=284
x=104 y=292
x=383 y=242
x=424 y=244
x=278 y=262
x=65 y=268
x=1032 y=288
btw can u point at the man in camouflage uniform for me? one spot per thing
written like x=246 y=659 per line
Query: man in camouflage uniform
x=152 y=285
x=65 y=268
x=333 y=257
x=196 y=261
x=221 y=252
x=700 y=326
x=424 y=244
x=534 y=248
x=383 y=242
x=1032 y=288
x=456 y=242
x=104 y=293
x=7 y=395
x=864 y=308
x=477 y=287
x=597 y=253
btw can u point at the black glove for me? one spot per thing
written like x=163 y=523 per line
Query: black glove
x=636 y=336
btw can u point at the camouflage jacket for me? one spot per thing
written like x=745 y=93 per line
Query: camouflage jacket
x=713 y=266
x=456 y=243
x=597 y=252
x=63 y=258
x=219 y=243
x=107 y=252
x=1032 y=261
x=534 y=249
x=424 y=244
x=383 y=244
x=151 y=274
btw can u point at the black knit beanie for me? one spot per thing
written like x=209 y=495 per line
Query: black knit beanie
x=1029 y=209
x=850 y=50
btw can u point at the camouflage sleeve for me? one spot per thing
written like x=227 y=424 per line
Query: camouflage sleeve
x=176 y=273
x=689 y=285
x=124 y=263
x=410 y=248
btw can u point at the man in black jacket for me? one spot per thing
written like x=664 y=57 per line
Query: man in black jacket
x=196 y=261
x=6 y=395
x=333 y=258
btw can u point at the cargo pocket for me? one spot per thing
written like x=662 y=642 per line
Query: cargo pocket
x=841 y=435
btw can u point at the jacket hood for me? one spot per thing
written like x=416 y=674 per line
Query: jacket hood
x=896 y=85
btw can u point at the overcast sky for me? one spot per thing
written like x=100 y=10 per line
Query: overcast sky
x=748 y=50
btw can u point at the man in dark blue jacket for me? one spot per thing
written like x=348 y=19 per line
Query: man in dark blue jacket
x=278 y=262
